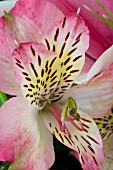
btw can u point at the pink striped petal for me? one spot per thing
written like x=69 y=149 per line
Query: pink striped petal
x=25 y=141
x=69 y=38
x=81 y=136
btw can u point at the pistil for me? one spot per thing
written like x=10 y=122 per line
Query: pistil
x=71 y=108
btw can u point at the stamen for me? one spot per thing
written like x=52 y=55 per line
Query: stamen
x=70 y=107
x=72 y=120
x=16 y=43
x=62 y=125
x=65 y=129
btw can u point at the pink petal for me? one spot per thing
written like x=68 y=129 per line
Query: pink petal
x=25 y=141
x=7 y=83
x=101 y=34
x=69 y=38
x=40 y=13
x=15 y=31
x=86 y=142
x=88 y=64
x=96 y=97
x=6 y=6
x=101 y=64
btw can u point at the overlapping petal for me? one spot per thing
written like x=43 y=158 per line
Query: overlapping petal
x=8 y=83
x=25 y=141
x=99 y=66
x=85 y=142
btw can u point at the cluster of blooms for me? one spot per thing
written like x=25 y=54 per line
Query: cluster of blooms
x=48 y=64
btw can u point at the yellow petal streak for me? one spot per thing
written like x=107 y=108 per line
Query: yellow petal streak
x=105 y=125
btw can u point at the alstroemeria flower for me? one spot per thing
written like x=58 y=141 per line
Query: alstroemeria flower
x=49 y=54
x=101 y=35
x=6 y=6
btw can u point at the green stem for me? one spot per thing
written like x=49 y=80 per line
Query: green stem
x=105 y=9
x=3 y=98
x=64 y=112
x=106 y=20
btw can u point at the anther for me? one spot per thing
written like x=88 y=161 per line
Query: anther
x=71 y=108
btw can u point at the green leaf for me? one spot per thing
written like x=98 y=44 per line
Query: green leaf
x=5 y=165
x=3 y=98
x=105 y=19
x=105 y=9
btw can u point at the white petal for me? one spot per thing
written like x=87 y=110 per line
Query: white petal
x=100 y=65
